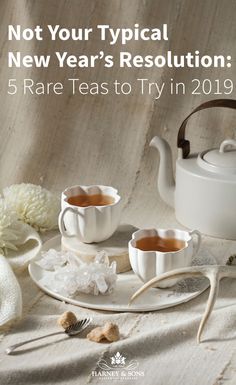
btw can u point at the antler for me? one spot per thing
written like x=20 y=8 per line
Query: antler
x=213 y=272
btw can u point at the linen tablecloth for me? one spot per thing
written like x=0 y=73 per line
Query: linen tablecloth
x=163 y=342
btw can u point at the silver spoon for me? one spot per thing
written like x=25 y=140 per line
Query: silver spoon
x=72 y=330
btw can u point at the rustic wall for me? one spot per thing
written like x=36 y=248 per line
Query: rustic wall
x=62 y=140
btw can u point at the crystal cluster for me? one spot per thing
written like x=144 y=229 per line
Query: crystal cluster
x=69 y=275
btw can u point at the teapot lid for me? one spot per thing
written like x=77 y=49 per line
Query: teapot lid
x=222 y=160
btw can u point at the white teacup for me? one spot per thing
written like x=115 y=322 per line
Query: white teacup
x=147 y=263
x=93 y=223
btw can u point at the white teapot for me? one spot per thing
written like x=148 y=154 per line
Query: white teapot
x=204 y=195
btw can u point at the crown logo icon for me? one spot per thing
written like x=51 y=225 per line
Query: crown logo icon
x=118 y=359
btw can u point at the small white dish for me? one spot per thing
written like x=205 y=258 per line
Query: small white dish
x=116 y=247
x=127 y=284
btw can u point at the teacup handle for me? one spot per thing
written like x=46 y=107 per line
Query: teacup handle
x=61 y=223
x=199 y=240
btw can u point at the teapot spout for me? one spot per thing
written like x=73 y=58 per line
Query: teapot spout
x=165 y=180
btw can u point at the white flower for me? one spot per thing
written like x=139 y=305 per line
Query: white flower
x=33 y=205
x=8 y=233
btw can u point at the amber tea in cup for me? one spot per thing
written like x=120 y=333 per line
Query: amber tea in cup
x=156 y=243
x=154 y=252
x=86 y=200
x=89 y=213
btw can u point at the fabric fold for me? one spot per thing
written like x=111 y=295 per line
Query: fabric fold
x=10 y=294
x=29 y=244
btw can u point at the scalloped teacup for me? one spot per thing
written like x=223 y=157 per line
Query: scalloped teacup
x=91 y=223
x=147 y=264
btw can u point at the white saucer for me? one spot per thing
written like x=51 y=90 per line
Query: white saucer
x=127 y=284
x=116 y=247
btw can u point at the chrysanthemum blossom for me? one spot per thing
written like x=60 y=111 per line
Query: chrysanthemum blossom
x=34 y=205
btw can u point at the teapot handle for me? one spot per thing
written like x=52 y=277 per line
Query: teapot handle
x=185 y=144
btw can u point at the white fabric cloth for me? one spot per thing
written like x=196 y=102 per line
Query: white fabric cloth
x=29 y=244
x=163 y=343
x=10 y=291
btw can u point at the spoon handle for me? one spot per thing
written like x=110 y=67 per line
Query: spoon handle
x=10 y=349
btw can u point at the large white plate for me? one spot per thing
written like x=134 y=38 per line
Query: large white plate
x=127 y=284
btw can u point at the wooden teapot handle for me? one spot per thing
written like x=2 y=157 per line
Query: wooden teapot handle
x=185 y=144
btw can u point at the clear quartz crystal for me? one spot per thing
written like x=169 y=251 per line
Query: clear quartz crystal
x=52 y=260
x=69 y=275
